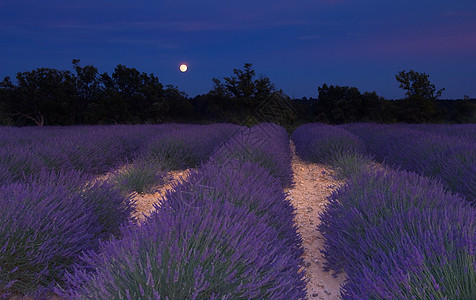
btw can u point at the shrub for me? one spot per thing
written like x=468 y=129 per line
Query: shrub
x=320 y=143
x=225 y=252
x=243 y=184
x=186 y=147
x=467 y=131
x=398 y=235
x=48 y=220
x=327 y=144
x=111 y=208
x=91 y=149
x=52 y=158
x=43 y=229
x=450 y=159
x=18 y=162
x=373 y=136
x=350 y=164
x=138 y=177
x=5 y=175
x=368 y=199
x=264 y=144
x=418 y=254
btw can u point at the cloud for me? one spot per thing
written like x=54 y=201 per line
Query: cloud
x=459 y=13
x=191 y=26
x=429 y=42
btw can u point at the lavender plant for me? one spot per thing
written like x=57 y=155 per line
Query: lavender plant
x=450 y=159
x=265 y=144
x=332 y=145
x=187 y=146
x=368 y=199
x=140 y=177
x=418 y=254
x=111 y=208
x=398 y=235
x=320 y=143
x=220 y=253
x=466 y=131
x=373 y=136
x=18 y=162
x=171 y=153
x=243 y=184
x=348 y=164
x=5 y=175
x=43 y=229
x=91 y=149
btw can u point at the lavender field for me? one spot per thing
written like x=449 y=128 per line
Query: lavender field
x=401 y=226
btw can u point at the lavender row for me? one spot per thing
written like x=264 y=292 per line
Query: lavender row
x=327 y=144
x=467 y=131
x=50 y=217
x=226 y=232
x=48 y=222
x=90 y=149
x=449 y=159
x=398 y=235
x=99 y=149
x=186 y=147
x=175 y=149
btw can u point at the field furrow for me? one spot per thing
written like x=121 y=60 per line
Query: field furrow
x=313 y=184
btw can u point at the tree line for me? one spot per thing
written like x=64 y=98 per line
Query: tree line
x=46 y=96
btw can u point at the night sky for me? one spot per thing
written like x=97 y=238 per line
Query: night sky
x=299 y=45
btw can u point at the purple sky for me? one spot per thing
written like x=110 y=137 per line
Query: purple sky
x=299 y=45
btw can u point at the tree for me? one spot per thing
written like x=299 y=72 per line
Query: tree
x=243 y=92
x=417 y=84
x=44 y=96
x=243 y=85
x=175 y=105
x=344 y=104
x=88 y=81
x=129 y=96
x=420 y=103
x=337 y=104
x=7 y=90
x=88 y=88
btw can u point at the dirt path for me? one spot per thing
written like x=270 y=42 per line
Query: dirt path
x=313 y=183
x=145 y=202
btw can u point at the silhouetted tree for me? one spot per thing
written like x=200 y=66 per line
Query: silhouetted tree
x=88 y=89
x=52 y=97
x=175 y=105
x=129 y=96
x=374 y=108
x=343 y=104
x=458 y=111
x=420 y=103
x=7 y=90
x=44 y=96
x=244 y=93
x=211 y=108
x=244 y=85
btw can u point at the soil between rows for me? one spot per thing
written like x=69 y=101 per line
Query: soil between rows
x=313 y=184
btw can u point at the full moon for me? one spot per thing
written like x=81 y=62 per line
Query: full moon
x=183 y=68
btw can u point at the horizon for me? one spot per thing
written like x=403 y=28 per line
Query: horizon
x=299 y=46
